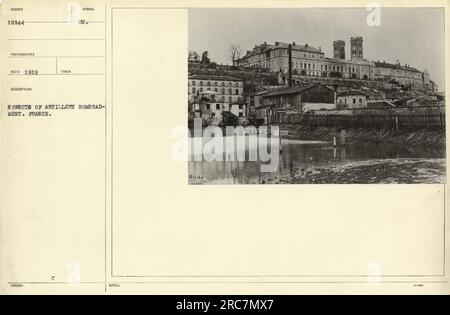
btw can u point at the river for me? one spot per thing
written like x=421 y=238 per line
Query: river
x=318 y=162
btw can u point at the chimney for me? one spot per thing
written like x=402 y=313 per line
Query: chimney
x=265 y=43
x=293 y=43
x=290 y=65
x=306 y=45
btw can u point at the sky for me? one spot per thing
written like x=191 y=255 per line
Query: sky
x=414 y=36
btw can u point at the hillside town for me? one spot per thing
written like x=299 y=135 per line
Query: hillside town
x=284 y=82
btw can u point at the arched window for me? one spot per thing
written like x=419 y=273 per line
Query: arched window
x=193 y=90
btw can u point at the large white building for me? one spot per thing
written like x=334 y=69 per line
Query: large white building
x=311 y=61
x=210 y=95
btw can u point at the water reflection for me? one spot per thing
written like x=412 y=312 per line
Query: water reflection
x=302 y=158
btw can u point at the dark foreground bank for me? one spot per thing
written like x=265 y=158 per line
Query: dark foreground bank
x=425 y=137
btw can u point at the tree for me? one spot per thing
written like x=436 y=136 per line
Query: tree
x=234 y=53
x=193 y=56
x=205 y=59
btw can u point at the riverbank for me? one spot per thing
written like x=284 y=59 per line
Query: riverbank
x=431 y=137
x=386 y=171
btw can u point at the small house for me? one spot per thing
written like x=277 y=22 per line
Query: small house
x=301 y=98
x=352 y=99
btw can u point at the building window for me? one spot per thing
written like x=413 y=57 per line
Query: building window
x=345 y=100
x=230 y=99
x=217 y=106
x=237 y=91
x=213 y=114
x=241 y=106
x=208 y=83
x=354 y=100
x=201 y=90
x=223 y=91
x=230 y=91
x=223 y=83
x=215 y=83
x=360 y=100
x=193 y=82
x=201 y=83
x=207 y=106
x=193 y=90
x=241 y=114
x=215 y=90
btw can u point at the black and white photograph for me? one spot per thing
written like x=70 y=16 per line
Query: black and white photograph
x=316 y=96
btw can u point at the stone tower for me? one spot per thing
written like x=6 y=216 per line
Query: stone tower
x=356 y=47
x=339 y=49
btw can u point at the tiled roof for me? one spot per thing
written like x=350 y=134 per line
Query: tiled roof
x=352 y=92
x=379 y=103
x=265 y=47
x=393 y=66
x=299 y=47
x=212 y=77
x=292 y=90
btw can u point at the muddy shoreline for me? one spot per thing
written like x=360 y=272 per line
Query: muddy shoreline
x=425 y=137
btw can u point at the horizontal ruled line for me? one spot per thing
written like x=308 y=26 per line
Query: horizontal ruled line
x=67 y=22
x=56 y=38
x=208 y=282
x=25 y=57
x=68 y=74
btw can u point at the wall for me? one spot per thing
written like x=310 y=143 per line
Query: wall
x=347 y=101
x=317 y=106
